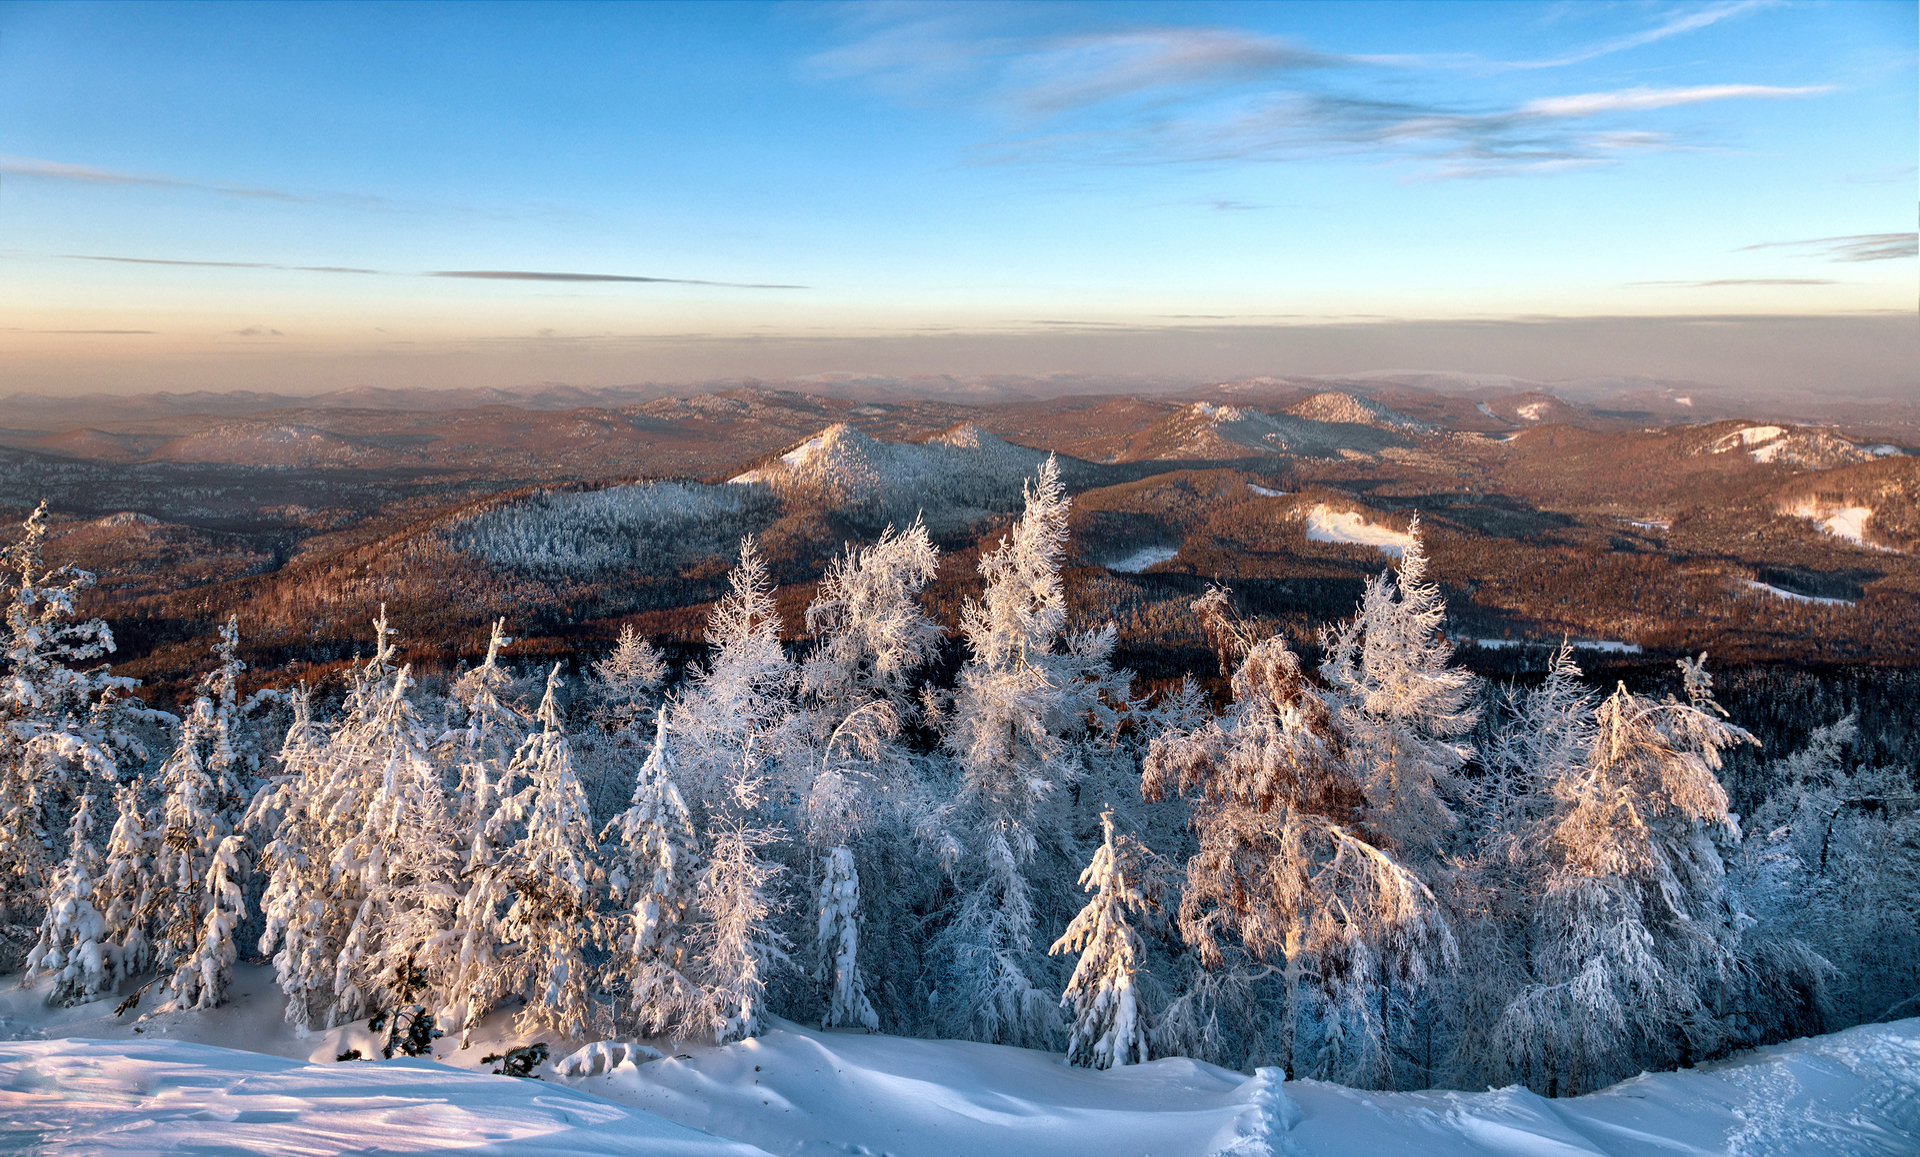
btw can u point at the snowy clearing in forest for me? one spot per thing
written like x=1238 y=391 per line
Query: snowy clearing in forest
x=1848 y=522
x=1264 y=492
x=802 y=1092
x=1143 y=558
x=1610 y=646
x=1326 y=525
x=1760 y=588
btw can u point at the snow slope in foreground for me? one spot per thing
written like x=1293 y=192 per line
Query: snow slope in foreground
x=805 y=1093
x=159 y=1086
x=169 y=1096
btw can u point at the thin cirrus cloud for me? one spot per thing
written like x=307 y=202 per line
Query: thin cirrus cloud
x=1856 y=247
x=467 y=274
x=1210 y=95
x=1672 y=26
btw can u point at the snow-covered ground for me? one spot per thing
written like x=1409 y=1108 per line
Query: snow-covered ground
x=1848 y=522
x=1610 y=646
x=1327 y=525
x=1760 y=588
x=1265 y=492
x=1143 y=558
x=166 y=1085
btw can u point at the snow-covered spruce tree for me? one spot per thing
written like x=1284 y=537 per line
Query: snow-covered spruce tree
x=1402 y=708
x=732 y=713
x=61 y=724
x=124 y=890
x=872 y=634
x=838 y=941
x=361 y=890
x=844 y=757
x=1290 y=874
x=655 y=874
x=625 y=681
x=540 y=895
x=73 y=947
x=1545 y=736
x=736 y=945
x=481 y=750
x=1109 y=1024
x=1021 y=701
x=197 y=862
x=1635 y=941
x=1830 y=863
x=299 y=808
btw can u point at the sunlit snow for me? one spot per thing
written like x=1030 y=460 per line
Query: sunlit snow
x=799 y=1091
x=1264 y=492
x=1776 y=592
x=1848 y=522
x=1143 y=558
x=1326 y=525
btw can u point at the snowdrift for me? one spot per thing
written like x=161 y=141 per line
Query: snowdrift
x=159 y=1089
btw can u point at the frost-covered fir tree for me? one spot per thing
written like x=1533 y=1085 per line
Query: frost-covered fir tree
x=73 y=947
x=873 y=635
x=655 y=874
x=1109 y=1022
x=481 y=749
x=124 y=891
x=61 y=726
x=1545 y=738
x=1402 y=708
x=838 y=958
x=1021 y=701
x=625 y=681
x=196 y=858
x=361 y=893
x=1830 y=863
x=303 y=920
x=734 y=710
x=1635 y=941
x=736 y=945
x=1288 y=874
x=541 y=892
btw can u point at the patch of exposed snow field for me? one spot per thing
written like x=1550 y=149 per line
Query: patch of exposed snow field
x=1265 y=492
x=1534 y=411
x=173 y=1089
x=1327 y=525
x=1848 y=522
x=1760 y=588
x=1605 y=646
x=1146 y=556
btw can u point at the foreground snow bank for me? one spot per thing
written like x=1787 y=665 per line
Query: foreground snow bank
x=170 y=1096
x=158 y=1086
x=795 y=1091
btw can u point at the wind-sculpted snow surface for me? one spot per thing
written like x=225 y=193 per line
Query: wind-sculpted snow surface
x=797 y=1091
x=643 y=526
x=141 y=1097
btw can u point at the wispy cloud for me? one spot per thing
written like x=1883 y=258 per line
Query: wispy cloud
x=217 y=264
x=1858 y=247
x=257 y=331
x=1643 y=99
x=1213 y=95
x=94 y=175
x=472 y=274
x=529 y=275
x=111 y=332
x=1673 y=25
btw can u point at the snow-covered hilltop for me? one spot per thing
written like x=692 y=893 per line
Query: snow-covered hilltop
x=1206 y=430
x=1351 y=409
x=954 y=478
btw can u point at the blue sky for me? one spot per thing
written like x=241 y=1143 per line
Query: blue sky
x=923 y=188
